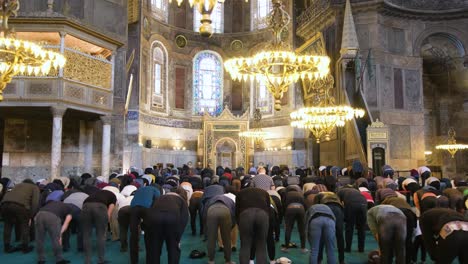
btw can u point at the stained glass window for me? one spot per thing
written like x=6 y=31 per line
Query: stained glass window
x=159 y=9
x=263 y=98
x=260 y=10
x=207 y=83
x=159 y=72
x=217 y=18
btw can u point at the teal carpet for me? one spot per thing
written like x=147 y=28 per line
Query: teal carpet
x=188 y=244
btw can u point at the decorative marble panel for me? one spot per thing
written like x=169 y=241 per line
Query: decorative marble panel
x=40 y=89
x=386 y=86
x=400 y=142
x=100 y=98
x=413 y=90
x=74 y=92
x=10 y=89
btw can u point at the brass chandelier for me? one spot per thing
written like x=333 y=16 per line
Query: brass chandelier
x=205 y=8
x=325 y=116
x=20 y=56
x=452 y=147
x=277 y=66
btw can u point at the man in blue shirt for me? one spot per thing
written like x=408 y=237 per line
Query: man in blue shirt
x=143 y=199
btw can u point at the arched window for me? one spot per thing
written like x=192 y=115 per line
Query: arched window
x=260 y=11
x=207 y=83
x=158 y=76
x=217 y=18
x=263 y=99
x=159 y=9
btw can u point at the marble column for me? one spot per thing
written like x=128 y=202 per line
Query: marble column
x=56 y=149
x=88 y=157
x=106 y=134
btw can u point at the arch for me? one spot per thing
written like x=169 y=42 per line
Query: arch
x=159 y=69
x=208 y=83
x=227 y=157
x=449 y=32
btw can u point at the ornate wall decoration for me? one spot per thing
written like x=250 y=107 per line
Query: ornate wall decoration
x=413 y=90
x=87 y=69
x=237 y=45
x=40 y=89
x=169 y=122
x=181 y=41
x=74 y=92
x=400 y=142
x=133 y=11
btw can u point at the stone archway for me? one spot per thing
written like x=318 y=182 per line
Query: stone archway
x=226 y=153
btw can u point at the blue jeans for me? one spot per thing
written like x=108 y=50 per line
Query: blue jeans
x=322 y=227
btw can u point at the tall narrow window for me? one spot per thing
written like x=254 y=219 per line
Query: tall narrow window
x=207 y=83
x=217 y=18
x=260 y=11
x=264 y=98
x=159 y=9
x=158 y=77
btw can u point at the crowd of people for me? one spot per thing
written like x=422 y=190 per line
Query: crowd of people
x=407 y=215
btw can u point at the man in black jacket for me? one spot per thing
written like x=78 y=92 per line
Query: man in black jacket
x=165 y=222
x=18 y=208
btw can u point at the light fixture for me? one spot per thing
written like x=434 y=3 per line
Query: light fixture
x=452 y=147
x=326 y=115
x=20 y=56
x=427 y=152
x=256 y=133
x=205 y=8
x=277 y=66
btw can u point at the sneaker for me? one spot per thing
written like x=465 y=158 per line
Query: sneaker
x=233 y=249
x=63 y=261
x=41 y=262
x=285 y=249
x=221 y=249
x=304 y=250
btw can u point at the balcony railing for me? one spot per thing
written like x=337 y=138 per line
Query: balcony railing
x=85 y=81
x=316 y=8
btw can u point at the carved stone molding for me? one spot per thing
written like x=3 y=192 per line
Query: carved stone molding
x=106 y=120
x=58 y=111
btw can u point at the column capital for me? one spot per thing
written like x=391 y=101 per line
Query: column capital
x=106 y=120
x=63 y=34
x=58 y=111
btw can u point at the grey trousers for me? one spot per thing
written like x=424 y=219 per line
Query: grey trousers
x=47 y=222
x=94 y=215
x=253 y=230
x=218 y=216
